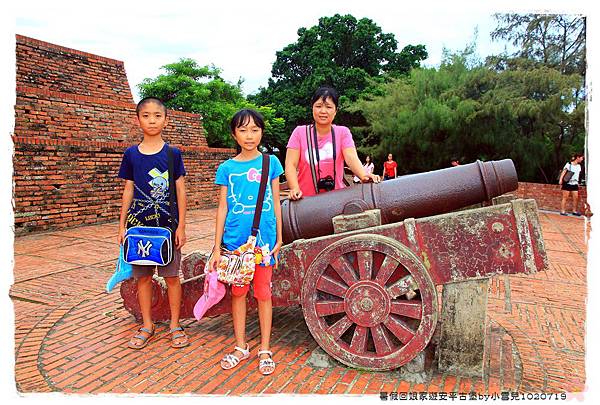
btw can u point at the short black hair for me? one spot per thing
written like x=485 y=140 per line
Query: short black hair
x=147 y=100
x=323 y=93
x=242 y=117
x=575 y=156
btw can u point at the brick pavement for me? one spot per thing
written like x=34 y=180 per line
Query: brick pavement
x=71 y=336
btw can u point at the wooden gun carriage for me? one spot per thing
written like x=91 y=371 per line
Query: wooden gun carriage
x=364 y=263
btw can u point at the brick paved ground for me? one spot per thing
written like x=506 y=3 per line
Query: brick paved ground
x=71 y=336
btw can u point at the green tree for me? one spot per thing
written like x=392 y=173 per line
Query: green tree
x=554 y=40
x=475 y=112
x=186 y=86
x=339 y=51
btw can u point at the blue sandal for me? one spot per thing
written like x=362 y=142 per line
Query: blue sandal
x=175 y=336
x=143 y=338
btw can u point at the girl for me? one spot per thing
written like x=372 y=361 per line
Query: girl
x=321 y=137
x=572 y=186
x=239 y=179
x=368 y=166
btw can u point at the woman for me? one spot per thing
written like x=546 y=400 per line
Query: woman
x=572 y=185
x=368 y=166
x=325 y=143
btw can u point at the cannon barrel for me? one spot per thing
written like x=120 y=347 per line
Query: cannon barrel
x=412 y=196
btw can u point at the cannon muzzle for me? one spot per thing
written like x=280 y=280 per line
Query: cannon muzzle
x=412 y=196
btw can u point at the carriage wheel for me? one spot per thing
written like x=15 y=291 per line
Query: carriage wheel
x=369 y=302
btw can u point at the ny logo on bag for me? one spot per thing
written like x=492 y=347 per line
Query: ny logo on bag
x=144 y=250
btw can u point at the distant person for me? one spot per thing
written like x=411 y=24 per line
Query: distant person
x=390 y=168
x=145 y=169
x=455 y=162
x=368 y=166
x=313 y=149
x=239 y=183
x=571 y=186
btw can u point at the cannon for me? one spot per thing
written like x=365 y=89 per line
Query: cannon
x=367 y=278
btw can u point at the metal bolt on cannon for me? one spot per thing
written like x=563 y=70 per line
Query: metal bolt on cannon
x=364 y=263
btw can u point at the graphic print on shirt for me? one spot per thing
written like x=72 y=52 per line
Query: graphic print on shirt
x=159 y=183
x=147 y=211
x=247 y=204
x=325 y=153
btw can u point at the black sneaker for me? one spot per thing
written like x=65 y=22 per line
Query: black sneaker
x=577 y=214
x=564 y=213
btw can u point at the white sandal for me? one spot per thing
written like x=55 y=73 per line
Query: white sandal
x=263 y=363
x=229 y=361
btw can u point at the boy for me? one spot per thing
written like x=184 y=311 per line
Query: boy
x=146 y=202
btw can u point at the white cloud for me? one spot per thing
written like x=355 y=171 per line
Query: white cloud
x=241 y=38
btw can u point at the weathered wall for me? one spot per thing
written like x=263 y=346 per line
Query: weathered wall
x=74 y=117
x=548 y=196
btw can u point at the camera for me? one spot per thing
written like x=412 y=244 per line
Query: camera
x=327 y=183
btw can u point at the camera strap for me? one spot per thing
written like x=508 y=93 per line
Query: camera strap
x=318 y=157
x=310 y=159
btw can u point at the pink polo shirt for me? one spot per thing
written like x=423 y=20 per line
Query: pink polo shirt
x=343 y=139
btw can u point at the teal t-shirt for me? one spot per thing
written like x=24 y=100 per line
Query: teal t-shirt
x=242 y=180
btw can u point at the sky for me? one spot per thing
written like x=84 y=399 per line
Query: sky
x=241 y=38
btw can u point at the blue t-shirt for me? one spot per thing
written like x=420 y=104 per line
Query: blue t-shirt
x=150 y=176
x=243 y=181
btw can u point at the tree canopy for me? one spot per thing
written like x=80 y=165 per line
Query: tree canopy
x=186 y=86
x=476 y=113
x=339 y=51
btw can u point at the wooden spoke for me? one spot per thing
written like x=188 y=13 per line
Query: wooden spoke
x=365 y=264
x=359 y=339
x=325 y=308
x=337 y=329
x=402 y=286
x=386 y=270
x=399 y=329
x=345 y=270
x=411 y=309
x=331 y=286
x=381 y=340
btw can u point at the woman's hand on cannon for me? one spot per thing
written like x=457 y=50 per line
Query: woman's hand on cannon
x=295 y=193
x=368 y=178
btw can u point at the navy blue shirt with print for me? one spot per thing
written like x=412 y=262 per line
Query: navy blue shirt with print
x=150 y=176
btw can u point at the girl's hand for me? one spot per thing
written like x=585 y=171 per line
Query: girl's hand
x=121 y=235
x=214 y=260
x=295 y=193
x=180 y=237
x=275 y=252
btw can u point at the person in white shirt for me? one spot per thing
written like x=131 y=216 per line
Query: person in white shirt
x=368 y=166
x=572 y=185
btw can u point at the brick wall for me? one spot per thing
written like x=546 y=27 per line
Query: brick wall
x=52 y=67
x=40 y=113
x=548 y=196
x=74 y=117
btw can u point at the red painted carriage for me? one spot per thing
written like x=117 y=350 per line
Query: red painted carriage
x=366 y=272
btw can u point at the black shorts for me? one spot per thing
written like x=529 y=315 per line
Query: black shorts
x=569 y=187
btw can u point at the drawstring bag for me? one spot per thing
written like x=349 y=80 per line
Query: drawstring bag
x=123 y=271
x=237 y=267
